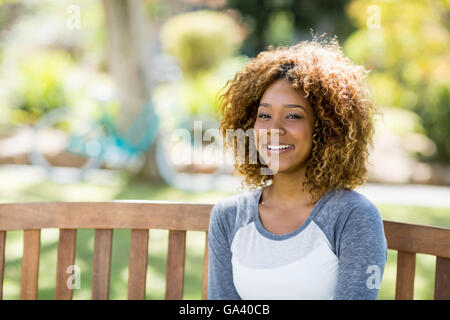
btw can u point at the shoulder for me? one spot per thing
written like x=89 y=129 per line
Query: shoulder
x=234 y=211
x=237 y=203
x=360 y=219
x=343 y=203
x=346 y=211
x=348 y=198
x=357 y=206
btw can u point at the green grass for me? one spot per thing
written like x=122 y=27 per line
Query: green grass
x=122 y=188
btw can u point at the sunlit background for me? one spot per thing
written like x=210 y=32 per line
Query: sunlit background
x=98 y=101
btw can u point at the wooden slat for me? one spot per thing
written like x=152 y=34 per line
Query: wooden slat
x=2 y=260
x=66 y=258
x=416 y=238
x=105 y=215
x=442 y=281
x=406 y=267
x=175 y=265
x=30 y=265
x=137 y=272
x=205 y=270
x=101 y=264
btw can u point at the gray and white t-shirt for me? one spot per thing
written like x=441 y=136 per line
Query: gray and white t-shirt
x=339 y=252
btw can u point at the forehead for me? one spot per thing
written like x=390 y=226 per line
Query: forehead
x=281 y=92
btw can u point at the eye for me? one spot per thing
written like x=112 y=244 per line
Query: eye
x=262 y=115
x=295 y=116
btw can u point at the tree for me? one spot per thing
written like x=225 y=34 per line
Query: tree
x=261 y=17
x=128 y=63
x=405 y=44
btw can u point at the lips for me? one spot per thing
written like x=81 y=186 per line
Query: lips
x=280 y=148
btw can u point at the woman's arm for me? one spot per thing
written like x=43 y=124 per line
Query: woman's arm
x=220 y=274
x=362 y=254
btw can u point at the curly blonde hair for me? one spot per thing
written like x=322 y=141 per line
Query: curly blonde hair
x=343 y=113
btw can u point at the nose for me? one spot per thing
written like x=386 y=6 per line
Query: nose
x=276 y=131
x=269 y=130
x=276 y=127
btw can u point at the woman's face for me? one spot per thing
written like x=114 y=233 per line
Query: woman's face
x=286 y=109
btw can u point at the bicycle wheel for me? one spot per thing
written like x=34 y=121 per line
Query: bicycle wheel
x=176 y=163
x=66 y=145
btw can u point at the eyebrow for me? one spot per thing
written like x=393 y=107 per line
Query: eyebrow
x=289 y=105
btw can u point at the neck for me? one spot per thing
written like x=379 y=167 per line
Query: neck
x=287 y=188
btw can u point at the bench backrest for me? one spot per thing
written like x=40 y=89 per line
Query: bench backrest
x=178 y=218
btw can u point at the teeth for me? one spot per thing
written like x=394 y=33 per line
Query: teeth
x=278 y=147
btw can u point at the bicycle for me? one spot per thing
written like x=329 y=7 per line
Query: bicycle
x=102 y=144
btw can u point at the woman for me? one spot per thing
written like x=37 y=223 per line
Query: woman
x=301 y=232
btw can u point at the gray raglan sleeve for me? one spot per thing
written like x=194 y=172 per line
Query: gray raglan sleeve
x=220 y=274
x=362 y=253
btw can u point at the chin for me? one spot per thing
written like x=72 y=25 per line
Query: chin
x=287 y=168
x=282 y=169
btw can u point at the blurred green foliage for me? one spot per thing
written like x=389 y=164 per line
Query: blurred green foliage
x=196 y=95
x=405 y=44
x=157 y=9
x=199 y=94
x=281 y=28
x=205 y=43
x=41 y=84
x=284 y=22
x=44 y=64
x=200 y=40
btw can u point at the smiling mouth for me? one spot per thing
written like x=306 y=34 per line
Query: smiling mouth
x=278 y=148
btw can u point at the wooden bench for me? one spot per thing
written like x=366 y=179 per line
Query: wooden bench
x=177 y=217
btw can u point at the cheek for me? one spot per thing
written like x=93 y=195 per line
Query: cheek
x=303 y=136
x=256 y=130
x=259 y=125
x=301 y=132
